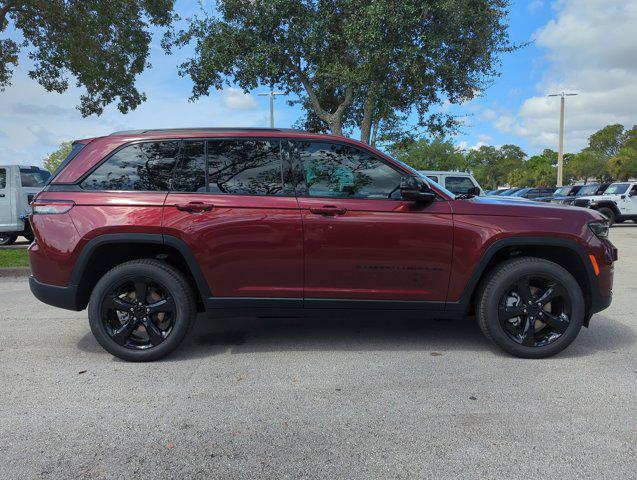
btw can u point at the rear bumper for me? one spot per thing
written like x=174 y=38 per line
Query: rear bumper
x=61 y=297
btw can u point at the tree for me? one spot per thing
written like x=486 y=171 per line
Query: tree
x=103 y=44
x=436 y=154
x=374 y=56
x=586 y=164
x=623 y=166
x=53 y=160
x=492 y=166
x=608 y=140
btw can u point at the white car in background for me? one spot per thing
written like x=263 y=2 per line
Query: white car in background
x=618 y=203
x=18 y=186
x=456 y=182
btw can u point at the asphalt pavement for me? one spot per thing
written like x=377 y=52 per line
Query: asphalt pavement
x=319 y=398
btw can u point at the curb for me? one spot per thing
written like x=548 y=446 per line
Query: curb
x=14 y=272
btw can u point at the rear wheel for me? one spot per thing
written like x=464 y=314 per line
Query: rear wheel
x=141 y=310
x=531 y=307
x=608 y=213
x=7 y=238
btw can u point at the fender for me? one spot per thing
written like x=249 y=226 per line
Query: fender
x=605 y=203
x=464 y=304
x=147 y=238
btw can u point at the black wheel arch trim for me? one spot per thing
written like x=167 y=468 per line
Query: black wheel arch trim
x=607 y=204
x=149 y=238
x=598 y=303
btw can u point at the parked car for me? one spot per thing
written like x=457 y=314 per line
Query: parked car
x=618 y=202
x=509 y=192
x=147 y=227
x=561 y=195
x=533 y=192
x=588 y=190
x=18 y=186
x=460 y=183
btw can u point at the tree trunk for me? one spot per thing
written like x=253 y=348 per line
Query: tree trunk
x=366 y=123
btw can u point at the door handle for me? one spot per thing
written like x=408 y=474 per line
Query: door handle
x=328 y=210
x=194 y=207
x=1 y=195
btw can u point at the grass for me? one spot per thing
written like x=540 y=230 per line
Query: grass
x=14 y=258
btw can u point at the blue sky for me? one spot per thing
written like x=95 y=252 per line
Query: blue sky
x=587 y=46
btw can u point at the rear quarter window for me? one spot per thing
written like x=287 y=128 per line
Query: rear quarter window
x=459 y=185
x=144 y=166
x=33 y=177
x=3 y=178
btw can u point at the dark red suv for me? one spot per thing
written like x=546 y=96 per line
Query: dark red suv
x=148 y=227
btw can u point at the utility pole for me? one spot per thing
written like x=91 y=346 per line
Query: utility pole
x=560 y=151
x=271 y=94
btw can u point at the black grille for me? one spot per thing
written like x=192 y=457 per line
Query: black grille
x=581 y=203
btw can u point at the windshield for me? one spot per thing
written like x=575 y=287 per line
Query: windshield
x=588 y=190
x=617 y=188
x=519 y=193
x=562 y=191
x=33 y=177
x=510 y=192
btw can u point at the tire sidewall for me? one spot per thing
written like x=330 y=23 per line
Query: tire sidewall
x=183 y=303
x=498 y=289
x=7 y=239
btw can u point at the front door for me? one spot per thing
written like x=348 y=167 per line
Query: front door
x=361 y=240
x=232 y=209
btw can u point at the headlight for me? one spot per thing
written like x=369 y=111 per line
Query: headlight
x=600 y=229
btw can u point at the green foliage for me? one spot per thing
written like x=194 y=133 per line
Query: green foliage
x=436 y=154
x=53 y=160
x=351 y=61
x=102 y=44
x=623 y=166
x=492 y=166
x=587 y=164
x=607 y=141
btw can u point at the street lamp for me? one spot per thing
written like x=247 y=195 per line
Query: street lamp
x=271 y=94
x=560 y=151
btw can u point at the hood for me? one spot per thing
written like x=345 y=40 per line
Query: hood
x=600 y=198
x=496 y=206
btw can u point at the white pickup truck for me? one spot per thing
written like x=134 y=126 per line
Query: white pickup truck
x=18 y=186
x=618 y=203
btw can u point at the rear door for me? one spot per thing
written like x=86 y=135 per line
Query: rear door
x=5 y=199
x=361 y=240
x=242 y=223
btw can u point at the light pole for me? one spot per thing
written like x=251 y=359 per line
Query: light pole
x=271 y=94
x=560 y=151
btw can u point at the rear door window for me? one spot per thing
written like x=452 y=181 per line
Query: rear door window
x=459 y=185
x=138 y=167
x=245 y=167
x=190 y=175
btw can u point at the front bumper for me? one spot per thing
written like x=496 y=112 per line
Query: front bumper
x=61 y=297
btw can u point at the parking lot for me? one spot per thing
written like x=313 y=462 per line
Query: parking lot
x=319 y=398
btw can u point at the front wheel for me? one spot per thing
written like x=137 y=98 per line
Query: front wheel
x=7 y=238
x=141 y=310
x=531 y=307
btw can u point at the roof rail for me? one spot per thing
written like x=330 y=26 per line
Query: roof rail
x=204 y=129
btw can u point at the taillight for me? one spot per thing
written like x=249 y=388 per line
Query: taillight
x=48 y=207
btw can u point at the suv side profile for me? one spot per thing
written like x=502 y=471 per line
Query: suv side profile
x=146 y=228
x=618 y=203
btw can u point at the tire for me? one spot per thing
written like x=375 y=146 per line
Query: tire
x=158 y=277
x=7 y=238
x=490 y=308
x=608 y=213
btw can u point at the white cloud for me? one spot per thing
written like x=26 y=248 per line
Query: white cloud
x=591 y=47
x=235 y=98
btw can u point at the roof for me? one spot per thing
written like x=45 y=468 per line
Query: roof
x=206 y=129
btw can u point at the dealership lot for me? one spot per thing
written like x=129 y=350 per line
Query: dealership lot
x=320 y=398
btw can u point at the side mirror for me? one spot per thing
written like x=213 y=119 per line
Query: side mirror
x=416 y=189
x=474 y=191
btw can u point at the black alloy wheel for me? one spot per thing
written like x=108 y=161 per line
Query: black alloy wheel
x=535 y=311
x=138 y=313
